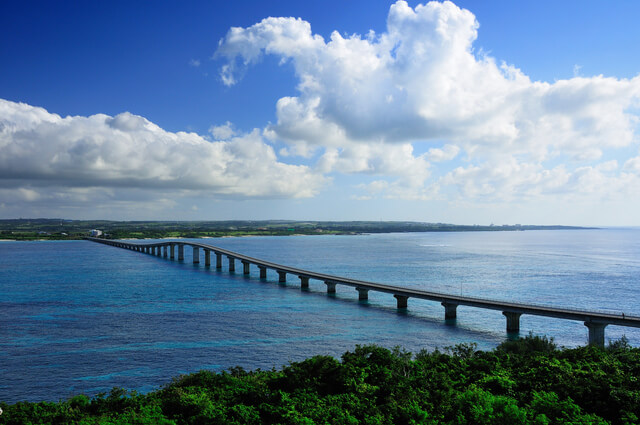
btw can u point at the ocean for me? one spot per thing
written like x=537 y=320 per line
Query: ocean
x=81 y=317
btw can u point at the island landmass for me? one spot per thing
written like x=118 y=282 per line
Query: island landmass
x=62 y=229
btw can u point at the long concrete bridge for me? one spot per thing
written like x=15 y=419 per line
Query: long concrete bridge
x=594 y=321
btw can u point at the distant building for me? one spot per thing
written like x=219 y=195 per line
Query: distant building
x=94 y=233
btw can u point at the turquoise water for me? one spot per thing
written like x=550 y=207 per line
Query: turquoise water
x=80 y=317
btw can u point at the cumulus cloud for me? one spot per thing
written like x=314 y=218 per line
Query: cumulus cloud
x=67 y=155
x=422 y=81
x=446 y=153
x=513 y=180
x=633 y=165
x=222 y=132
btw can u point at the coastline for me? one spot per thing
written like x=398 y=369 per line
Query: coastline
x=50 y=229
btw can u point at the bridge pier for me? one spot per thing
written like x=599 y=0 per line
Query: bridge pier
x=196 y=255
x=245 y=267
x=180 y=252
x=232 y=264
x=596 y=333
x=207 y=257
x=363 y=294
x=513 y=321
x=596 y=322
x=331 y=287
x=304 y=282
x=282 y=276
x=449 y=310
x=402 y=300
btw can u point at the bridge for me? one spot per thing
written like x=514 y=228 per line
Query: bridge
x=596 y=322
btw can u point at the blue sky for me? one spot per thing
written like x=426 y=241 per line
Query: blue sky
x=473 y=112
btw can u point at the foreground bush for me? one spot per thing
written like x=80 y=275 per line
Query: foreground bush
x=529 y=381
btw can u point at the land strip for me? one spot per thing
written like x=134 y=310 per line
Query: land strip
x=63 y=229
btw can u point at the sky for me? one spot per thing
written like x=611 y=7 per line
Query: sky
x=470 y=112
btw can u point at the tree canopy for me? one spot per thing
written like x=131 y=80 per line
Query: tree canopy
x=529 y=381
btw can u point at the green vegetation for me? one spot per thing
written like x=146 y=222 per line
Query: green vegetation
x=59 y=229
x=529 y=381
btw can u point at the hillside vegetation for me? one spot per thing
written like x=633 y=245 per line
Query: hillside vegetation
x=529 y=381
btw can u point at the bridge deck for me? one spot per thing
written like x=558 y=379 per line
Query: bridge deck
x=504 y=306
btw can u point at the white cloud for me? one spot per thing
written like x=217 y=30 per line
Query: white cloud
x=421 y=81
x=511 y=180
x=447 y=153
x=43 y=155
x=222 y=132
x=633 y=165
x=576 y=70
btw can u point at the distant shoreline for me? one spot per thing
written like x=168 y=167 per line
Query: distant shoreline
x=61 y=229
